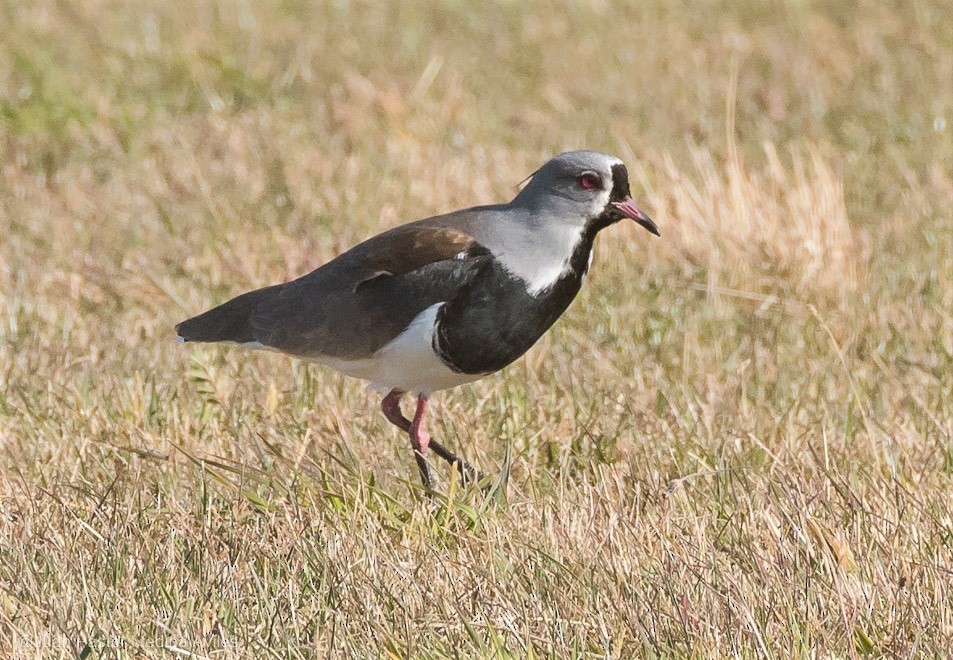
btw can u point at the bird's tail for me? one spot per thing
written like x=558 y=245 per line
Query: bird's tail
x=230 y=321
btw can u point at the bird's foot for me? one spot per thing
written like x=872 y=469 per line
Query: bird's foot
x=424 y=468
x=468 y=474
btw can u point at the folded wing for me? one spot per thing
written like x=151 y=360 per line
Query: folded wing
x=355 y=304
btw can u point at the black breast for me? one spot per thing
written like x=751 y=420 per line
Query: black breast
x=494 y=320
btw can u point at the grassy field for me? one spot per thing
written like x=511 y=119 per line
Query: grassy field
x=737 y=442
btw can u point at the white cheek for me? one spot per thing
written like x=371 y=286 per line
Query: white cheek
x=599 y=204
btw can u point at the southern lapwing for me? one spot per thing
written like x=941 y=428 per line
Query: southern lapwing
x=443 y=301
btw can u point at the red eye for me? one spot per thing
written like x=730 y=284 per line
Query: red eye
x=589 y=181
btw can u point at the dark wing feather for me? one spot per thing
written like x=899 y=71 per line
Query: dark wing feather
x=357 y=303
x=230 y=321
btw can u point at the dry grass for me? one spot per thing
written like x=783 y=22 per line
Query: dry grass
x=743 y=225
x=739 y=441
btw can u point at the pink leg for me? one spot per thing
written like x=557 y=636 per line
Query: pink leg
x=391 y=407
x=419 y=437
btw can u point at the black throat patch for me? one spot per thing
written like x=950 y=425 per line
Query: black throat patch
x=620 y=183
x=620 y=190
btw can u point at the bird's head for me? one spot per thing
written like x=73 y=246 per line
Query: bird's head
x=590 y=186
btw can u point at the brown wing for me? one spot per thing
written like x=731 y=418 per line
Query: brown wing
x=407 y=248
x=358 y=302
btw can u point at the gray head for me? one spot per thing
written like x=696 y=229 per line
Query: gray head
x=585 y=187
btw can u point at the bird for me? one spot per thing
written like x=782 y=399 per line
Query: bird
x=440 y=302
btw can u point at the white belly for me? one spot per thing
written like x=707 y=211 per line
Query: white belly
x=407 y=363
